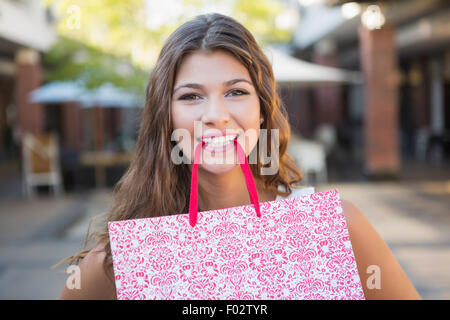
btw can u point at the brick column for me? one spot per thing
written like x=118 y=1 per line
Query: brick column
x=328 y=102
x=298 y=107
x=420 y=101
x=379 y=65
x=2 y=119
x=72 y=138
x=28 y=77
x=99 y=128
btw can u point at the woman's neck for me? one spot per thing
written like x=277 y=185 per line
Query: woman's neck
x=219 y=191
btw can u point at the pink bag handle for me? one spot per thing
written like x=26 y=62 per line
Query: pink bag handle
x=251 y=187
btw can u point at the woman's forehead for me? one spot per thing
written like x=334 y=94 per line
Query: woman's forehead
x=201 y=66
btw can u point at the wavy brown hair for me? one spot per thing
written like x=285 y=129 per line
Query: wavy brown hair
x=153 y=185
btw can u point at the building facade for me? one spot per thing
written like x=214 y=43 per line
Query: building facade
x=401 y=111
x=26 y=32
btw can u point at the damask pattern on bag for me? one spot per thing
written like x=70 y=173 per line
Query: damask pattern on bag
x=299 y=249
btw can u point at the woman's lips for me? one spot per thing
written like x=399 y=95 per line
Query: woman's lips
x=216 y=135
x=221 y=148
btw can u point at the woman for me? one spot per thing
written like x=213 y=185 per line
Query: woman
x=211 y=73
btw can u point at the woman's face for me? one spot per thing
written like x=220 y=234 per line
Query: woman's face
x=214 y=100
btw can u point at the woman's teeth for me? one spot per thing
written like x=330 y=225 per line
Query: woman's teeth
x=219 y=141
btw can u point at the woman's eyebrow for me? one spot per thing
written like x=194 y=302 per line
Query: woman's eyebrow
x=199 y=86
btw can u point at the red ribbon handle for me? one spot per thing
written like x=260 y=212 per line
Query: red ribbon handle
x=251 y=187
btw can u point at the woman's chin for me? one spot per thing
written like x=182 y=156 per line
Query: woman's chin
x=220 y=168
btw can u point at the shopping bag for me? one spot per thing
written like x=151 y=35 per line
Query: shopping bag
x=294 y=248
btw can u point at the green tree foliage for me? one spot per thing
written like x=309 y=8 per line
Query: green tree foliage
x=110 y=40
x=259 y=17
x=70 y=60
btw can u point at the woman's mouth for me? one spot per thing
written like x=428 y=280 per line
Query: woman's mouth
x=220 y=143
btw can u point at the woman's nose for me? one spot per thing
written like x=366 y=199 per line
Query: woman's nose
x=216 y=112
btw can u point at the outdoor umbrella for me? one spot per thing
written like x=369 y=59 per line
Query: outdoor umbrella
x=105 y=96
x=108 y=95
x=290 y=70
x=57 y=91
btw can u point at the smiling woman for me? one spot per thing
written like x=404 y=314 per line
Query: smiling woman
x=211 y=73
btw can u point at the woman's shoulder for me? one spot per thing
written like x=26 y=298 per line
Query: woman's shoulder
x=372 y=253
x=94 y=282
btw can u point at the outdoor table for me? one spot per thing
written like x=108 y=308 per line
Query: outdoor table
x=103 y=159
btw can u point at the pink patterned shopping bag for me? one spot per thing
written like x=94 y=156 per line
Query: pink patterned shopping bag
x=296 y=248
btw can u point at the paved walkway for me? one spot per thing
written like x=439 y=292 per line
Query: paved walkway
x=35 y=235
x=412 y=218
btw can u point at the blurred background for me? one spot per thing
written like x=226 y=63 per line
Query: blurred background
x=365 y=83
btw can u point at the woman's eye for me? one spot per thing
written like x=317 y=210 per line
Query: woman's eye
x=189 y=97
x=192 y=96
x=239 y=93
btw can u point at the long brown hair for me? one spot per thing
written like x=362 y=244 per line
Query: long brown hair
x=153 y=185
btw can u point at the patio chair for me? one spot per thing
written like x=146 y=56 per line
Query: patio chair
x=310 y=157
x=41 y=163
x=326 y=135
